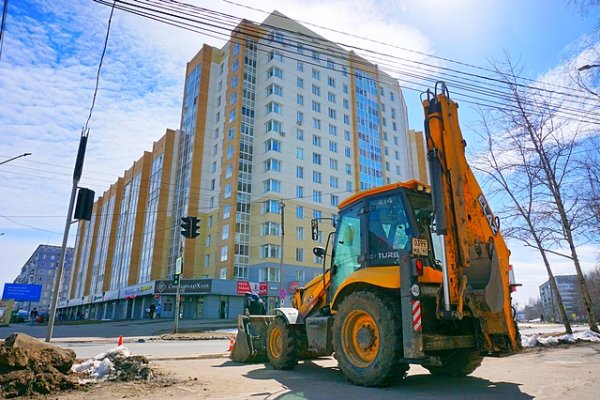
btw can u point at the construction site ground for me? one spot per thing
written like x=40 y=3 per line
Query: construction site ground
x=562 y=372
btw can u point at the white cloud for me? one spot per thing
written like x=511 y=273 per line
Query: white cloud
x=47 y=76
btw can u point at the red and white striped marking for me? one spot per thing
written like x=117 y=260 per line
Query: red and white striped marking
x=416 y=315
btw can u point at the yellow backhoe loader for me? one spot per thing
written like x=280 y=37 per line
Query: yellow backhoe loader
x=413 y=274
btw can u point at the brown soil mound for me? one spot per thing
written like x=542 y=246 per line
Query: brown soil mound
x=28 y=366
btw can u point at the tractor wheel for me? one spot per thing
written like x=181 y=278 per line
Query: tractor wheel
x=282 y=344
x=458 y=362
x=368 y=339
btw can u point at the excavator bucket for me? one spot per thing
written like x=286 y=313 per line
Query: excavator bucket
x=251 y=341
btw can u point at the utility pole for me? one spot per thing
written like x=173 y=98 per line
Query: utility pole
x=177 y=277
x=63 y=250
x=281 y=285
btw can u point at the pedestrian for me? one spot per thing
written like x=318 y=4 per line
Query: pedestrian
x=151 y=310
x=158 y=311
x=541 y=317
x=33 y=314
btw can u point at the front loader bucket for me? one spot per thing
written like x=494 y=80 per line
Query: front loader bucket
x=251 y=341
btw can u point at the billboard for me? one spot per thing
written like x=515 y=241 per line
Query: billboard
x=22 y=292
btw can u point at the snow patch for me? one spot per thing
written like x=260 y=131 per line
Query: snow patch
x=100 y=368
x=532 y=340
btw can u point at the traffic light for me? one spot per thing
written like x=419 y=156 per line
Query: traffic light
x=190 y=227
x=195 y=226
x=176 y=278
x=314 y=229
x=185 y=226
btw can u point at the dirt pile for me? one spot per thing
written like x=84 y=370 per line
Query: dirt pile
x=28 y=366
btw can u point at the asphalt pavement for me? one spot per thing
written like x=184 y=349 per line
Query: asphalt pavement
x=111 y=330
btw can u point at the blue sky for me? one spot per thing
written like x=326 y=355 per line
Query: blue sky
x=50 y=56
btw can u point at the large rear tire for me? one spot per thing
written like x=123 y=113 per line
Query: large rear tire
x=282 y=344
x=457 y=362
x=368 y=339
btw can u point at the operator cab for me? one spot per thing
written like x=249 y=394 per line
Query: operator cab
x=376 y=229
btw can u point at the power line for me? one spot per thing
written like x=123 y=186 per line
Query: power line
x=202 y=20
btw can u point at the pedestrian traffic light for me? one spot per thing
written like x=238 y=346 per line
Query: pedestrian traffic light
x=176 y=279
x=190 y=227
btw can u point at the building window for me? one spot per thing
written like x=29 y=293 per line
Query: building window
x=299 y=99
x=330 y=64
x=299 y=254
x=300 y=83
x=300 y=172
x=316 y=141
x=331 y=81
x=299 y=117
x=316 y=90
x=270 y=228
x=225 y=232
x=331 y=97
x=316 y=106
x=317 y=177
x=316 y=158
x=273 y=107
x=228 y=171
x=299 y=212
x=226 y=211
x=316 y=123
x=299 y=192
x=268 y=274
x=316 y=56
x=299 y=233
x=271 y=185
x=316 y=74
x=348 y=169
x=272 y=164
x=334 y=200
x=224 y=251
x=332 y=146
x=347 y=152
x=273 y=145
x=333 y=164
x=300 y=134
x=333 y=182
x=227 y=193
x=331 y=113
x=299 y=153
x=274 y=89
x=271 y=206
x=332 y=130
x=275 y=72
x=300 y=66
x=270 y=251
x=317 y=196
x=275 y=55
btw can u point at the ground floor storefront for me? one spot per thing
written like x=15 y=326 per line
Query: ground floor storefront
x=199 y=299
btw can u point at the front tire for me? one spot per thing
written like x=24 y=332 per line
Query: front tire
x=457 y=363
x=282 y=344
x=368 y=339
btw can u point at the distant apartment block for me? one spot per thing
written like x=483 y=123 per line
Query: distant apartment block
x=278 y=120
x=570 y=292
x=40 y=269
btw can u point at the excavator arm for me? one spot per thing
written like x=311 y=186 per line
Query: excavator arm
x=476 y=267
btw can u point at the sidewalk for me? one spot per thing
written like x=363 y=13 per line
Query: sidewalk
x=108 y=330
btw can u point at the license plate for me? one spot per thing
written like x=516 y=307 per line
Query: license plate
x=420 y=247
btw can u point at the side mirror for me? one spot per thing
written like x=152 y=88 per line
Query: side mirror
x=319 y=251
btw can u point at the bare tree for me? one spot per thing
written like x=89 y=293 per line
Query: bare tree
x=593 y=280
x=533 y=125
x=518 y=178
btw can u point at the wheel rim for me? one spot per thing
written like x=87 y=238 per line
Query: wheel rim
x=276 y=343
x=360 y=338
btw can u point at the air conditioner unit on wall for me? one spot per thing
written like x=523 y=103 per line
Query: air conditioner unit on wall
x=282 y=133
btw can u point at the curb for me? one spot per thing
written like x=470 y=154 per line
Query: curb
x=188 y=357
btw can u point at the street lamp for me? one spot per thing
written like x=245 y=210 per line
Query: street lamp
x=14 y=158
x=587 y=66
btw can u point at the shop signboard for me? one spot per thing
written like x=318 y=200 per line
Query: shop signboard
x=188 y=286
x=243 y=287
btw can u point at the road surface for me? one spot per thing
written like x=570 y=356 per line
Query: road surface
x=569 y=372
